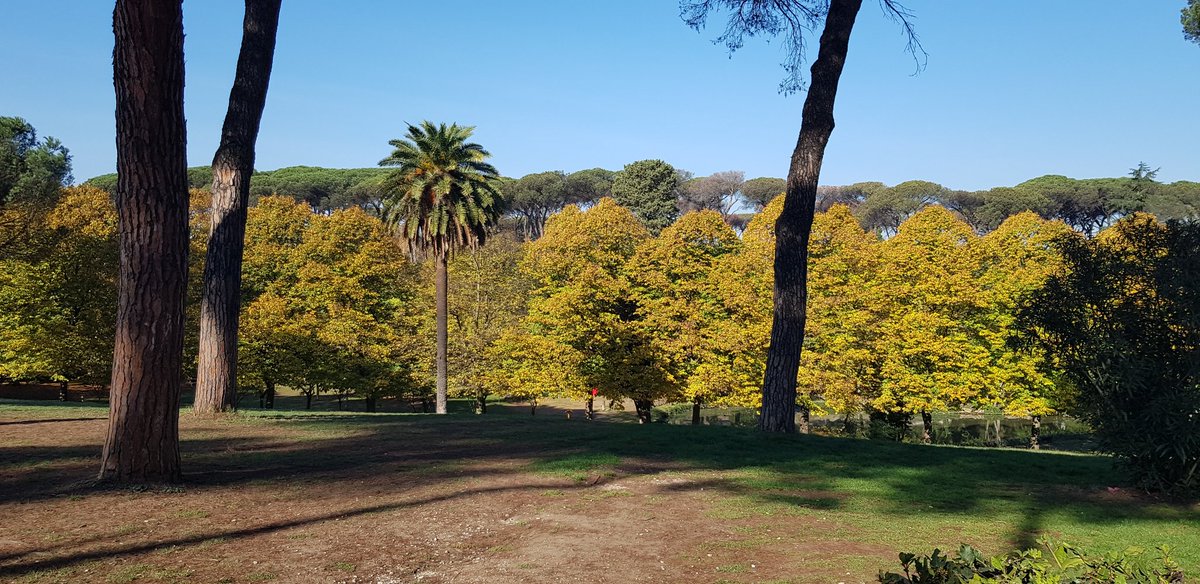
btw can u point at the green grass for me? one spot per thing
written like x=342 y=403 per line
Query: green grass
x=578 y=466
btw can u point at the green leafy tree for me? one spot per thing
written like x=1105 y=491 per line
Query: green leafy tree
x=31 y=170
x=1120 y=321
x=339 y=310
x=442 y=197
x=585 y=187
x=762 y=190
x=1189 y=17
x=678 y=306
x=648 y=188
x=58 y=301
x=840 y=363
x=324 y=189
x=885 y=209
x=487 y=300
x=584 y=302
x=931 y=358
x=1014 y=261
x=534 y=197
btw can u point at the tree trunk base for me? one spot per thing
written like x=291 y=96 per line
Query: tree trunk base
x=644 y=410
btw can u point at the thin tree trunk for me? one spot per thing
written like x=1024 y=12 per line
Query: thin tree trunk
x=142 y=443
x=441 y=282
x=591 y=408
x=269 y=395
x=216 y=372
x=1035 y=434
x=308 y=401
x=370 y=403
x=696 y=411
x=533 y=403
x=63 y=394
x=481 y=403
x=805 y=420
x=926 y=427
x=795 y=222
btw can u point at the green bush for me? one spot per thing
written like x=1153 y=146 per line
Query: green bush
x=1123 y=324
x=1051 y=563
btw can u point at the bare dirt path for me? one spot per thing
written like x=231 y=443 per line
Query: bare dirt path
x=394 y=500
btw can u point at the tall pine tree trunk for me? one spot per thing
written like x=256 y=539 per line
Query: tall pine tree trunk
x=216 y=372
x=795 y=222
x=142 y=444
x=442 y=280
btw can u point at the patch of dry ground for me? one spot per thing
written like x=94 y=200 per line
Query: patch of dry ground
x=393 y=500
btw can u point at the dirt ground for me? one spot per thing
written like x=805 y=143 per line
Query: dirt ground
x=402 y=501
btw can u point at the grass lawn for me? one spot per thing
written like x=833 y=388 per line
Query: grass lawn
x=294 y=496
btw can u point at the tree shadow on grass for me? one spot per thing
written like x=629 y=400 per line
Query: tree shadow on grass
x=781 y=472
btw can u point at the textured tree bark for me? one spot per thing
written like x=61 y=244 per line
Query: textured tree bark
x=216 y=371
x=142 y=443
x=696 y=411
x=644 y=408
x=926 y=427
x=442 y=280
x=795 y=222
x=481 y=403
x=591 y=408
x=1035 y=434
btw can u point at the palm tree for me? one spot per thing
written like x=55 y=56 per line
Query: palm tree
x=442 y=197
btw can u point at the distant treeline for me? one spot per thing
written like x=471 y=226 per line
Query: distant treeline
x=1088 y=205
x=324 y=189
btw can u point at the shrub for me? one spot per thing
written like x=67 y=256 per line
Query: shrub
x=1123 y=323
x=1051 y=563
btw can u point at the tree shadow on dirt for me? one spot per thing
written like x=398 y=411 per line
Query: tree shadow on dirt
x=800 y=472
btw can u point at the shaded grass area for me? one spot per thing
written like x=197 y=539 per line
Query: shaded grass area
x=887 y=495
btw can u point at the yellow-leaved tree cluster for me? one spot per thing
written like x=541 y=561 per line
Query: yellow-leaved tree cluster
x=908 y=326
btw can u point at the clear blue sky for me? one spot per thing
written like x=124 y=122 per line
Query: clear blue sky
x=1012 y=90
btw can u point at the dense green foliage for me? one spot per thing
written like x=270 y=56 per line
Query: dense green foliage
x=442 y=195
x=58 y=293
x=31 y=171
x=1051 y=563
x=1189 y=17
x=331 y=305
x=1123 y=324
x=650 y=189
x=324 y=189
x=760 y=191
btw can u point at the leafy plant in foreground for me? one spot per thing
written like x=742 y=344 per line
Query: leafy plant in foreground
x=1050 y=563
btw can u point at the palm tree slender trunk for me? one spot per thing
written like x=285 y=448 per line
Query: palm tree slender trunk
x=441 y=284
x=795 y=222
x=216 y=371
